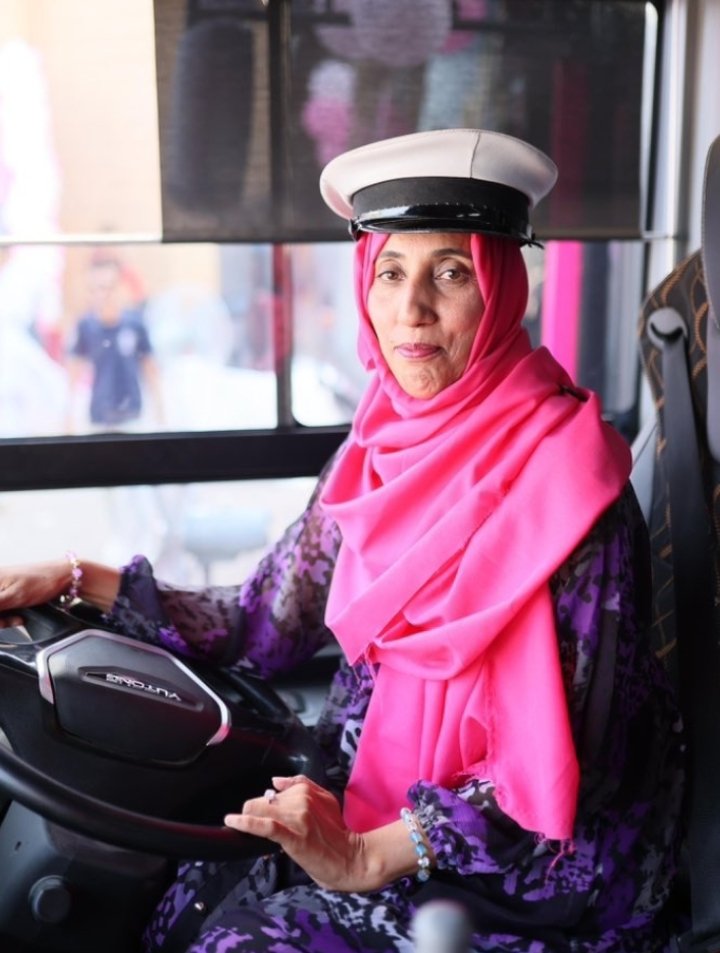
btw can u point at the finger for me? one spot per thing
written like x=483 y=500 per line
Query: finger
x=257 y=807
x=282 y=784
x=265 y=827
x=255 y=825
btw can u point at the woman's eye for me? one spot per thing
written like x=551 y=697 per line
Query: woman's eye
x=450 y=273
x=387 y=274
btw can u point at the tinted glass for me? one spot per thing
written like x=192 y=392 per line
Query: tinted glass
x=255 y=99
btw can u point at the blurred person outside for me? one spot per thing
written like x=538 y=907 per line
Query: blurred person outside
x=112 y=339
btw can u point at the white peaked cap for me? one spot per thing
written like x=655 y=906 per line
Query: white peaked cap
x=443 y=179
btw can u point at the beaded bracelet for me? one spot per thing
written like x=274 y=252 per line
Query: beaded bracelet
x=72 y=596
x=418 y=839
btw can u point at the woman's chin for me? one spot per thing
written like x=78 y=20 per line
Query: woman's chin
x=419 y=384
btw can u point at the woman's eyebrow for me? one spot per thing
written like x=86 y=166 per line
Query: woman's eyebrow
x=436 y=253
x=459 y=252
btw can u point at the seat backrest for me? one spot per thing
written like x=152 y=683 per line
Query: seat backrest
x=677 y=478
x=684 y=291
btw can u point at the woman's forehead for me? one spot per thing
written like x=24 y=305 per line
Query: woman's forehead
x=427 y=244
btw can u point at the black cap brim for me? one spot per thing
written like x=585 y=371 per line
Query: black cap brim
x=446 y=204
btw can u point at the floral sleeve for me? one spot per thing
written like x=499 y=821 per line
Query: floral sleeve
x=268 y=624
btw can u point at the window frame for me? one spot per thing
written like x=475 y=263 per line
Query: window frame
x=43 y=463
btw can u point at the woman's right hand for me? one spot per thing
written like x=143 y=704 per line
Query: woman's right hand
x=30 y=585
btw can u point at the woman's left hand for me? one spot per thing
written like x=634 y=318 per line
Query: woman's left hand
x=306 y=821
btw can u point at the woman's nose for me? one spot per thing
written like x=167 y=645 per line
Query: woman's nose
x=415 y=305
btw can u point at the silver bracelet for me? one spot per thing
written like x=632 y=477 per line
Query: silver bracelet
x=419 y=843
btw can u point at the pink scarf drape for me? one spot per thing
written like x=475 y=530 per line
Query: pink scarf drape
x=454 y=513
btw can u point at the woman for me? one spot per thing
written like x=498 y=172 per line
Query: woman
x=499 y=732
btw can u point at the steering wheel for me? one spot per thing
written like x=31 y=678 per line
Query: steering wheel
x=81 y=701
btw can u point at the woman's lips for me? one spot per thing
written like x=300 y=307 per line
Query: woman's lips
x=416 y=351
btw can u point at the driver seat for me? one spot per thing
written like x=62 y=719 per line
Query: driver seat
x=676 y=475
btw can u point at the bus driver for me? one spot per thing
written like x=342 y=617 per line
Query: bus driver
x=499 y=730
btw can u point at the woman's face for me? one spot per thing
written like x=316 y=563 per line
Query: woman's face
x=425 y=306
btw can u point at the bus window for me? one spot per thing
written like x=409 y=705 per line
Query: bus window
x=198 y=329
x=192 y=533
x=231 y=273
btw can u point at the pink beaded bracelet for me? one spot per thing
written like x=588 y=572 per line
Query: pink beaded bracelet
x=72 y=596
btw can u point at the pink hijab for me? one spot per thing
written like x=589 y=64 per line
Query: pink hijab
x=454 y=513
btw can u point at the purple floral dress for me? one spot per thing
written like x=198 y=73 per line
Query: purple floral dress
x=608 y=891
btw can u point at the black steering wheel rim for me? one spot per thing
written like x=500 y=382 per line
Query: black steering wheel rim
x=96 y=818
x=115 y=825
